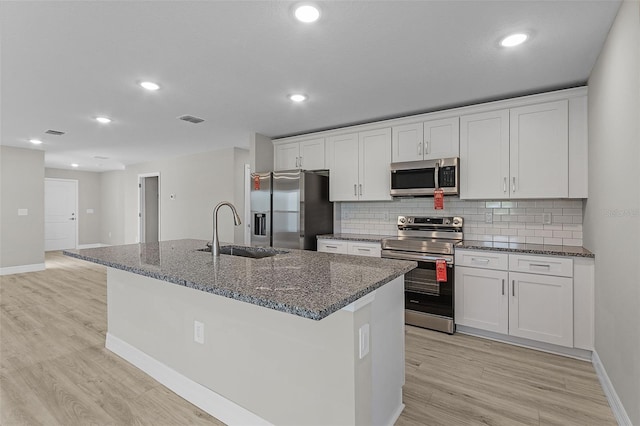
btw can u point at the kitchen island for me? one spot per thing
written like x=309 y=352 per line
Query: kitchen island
x=298 y=338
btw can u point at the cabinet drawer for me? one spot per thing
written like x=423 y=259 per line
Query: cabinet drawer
x=543 y=265
x=333 y=246
x=365 y=249
x=482 y=259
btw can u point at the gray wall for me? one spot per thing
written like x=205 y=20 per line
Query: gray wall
x=21 y=187
x=612 y=212
x=112 y=202
x=89 y=190
x=198 y=182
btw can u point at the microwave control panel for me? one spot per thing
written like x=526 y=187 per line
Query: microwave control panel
x=447 y=177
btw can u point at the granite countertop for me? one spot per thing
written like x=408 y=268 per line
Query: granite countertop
x=304 y=283
x=354 y=237
x=552 y=250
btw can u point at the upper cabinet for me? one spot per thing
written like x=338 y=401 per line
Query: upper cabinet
x=531 y=147
x=359 y=166
x=520 y=152
x=307 y=154
x=425 y=141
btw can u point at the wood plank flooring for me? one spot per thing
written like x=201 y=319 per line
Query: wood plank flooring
x=54 y=369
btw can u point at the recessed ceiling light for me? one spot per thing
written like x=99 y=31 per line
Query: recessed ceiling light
x=74 y=164
x=149 y=85
x=298 y=97
x=514 y=40
x=35 y=141
x=103 y=120
x=307 y=13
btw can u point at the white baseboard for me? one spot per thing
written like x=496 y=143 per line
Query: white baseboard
x=200 y=396
x=21 y=269
x=581 y=354
x=94 y=245
x=614 y=401
x=395 y=416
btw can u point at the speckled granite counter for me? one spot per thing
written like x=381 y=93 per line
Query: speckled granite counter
x=304 y=283
x=551 y=250
x=354 y=237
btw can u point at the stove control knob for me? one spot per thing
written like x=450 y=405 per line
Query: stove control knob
x=447 y=222
x=456 y=221
x=402 y=220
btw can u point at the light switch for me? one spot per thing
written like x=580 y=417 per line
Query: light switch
x=546 y=218
x=23 y=212
x=89 y=211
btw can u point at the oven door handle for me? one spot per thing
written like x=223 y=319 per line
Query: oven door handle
x=415 y=256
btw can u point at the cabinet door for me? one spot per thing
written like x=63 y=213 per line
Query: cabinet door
x=442 y=138
x=286 y=156
x=333 y=246
x=484 y=155
x=375 y=159
x=539 y=151
x=342 y=159
x=312 y=154
x=481 y=299
x=406 y=143
x=365 y=249
x=541 y=308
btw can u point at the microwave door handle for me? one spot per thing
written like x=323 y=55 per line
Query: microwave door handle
x=436 y=172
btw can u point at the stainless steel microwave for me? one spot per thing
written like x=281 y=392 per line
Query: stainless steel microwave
x=420 y=178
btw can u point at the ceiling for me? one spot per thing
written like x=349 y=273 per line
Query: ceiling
x=233 y=63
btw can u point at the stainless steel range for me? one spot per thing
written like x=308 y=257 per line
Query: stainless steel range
x=429 y=241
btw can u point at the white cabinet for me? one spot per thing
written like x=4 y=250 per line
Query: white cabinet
x=541 y=308
x=515 y=153
x=359 y=166
x=333 y=246
x=358 y=248
x=481 y=300
x=307 y=155
x=424 y=141
x=536 y=306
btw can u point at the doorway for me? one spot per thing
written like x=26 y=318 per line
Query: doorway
x=60 y=214
x=149 y=212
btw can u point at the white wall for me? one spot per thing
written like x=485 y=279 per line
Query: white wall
x=89 y=198
x=198 y=182
x=21 y=187
x=612 y=213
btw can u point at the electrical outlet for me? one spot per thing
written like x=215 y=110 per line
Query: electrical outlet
x=488 y=217
x=546 y=218
x=364 y=340
x=386 y=217
x=198 y=332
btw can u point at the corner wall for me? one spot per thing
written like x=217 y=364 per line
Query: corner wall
x=21 y=188
x=612 y=212
x=89 y=199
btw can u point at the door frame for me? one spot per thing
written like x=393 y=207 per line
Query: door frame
x=75 y=181
x=247 y=205
x=141 y=178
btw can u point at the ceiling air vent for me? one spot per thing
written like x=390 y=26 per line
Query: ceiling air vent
x=54 y=132
x=191 y=119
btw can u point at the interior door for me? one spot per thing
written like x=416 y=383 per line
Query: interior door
x=60 y=214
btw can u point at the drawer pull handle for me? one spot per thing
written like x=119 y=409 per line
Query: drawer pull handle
x=333 y=247
x=540 y=265
x=473 y=259
x=364 y=249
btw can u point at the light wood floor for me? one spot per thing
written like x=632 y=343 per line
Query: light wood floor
x=54 y=369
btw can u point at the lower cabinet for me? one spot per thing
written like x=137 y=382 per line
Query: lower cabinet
x=535 y=306
x=358 y=248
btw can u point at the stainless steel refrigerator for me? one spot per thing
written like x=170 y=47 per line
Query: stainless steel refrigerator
x=289 y=208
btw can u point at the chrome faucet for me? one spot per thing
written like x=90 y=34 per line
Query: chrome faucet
x=215 y=243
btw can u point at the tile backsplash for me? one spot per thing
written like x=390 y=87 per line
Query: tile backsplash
x=517 y=221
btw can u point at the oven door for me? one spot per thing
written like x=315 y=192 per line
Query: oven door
x=423 y=293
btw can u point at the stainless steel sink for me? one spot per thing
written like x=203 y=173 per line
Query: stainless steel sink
x=251 y=252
